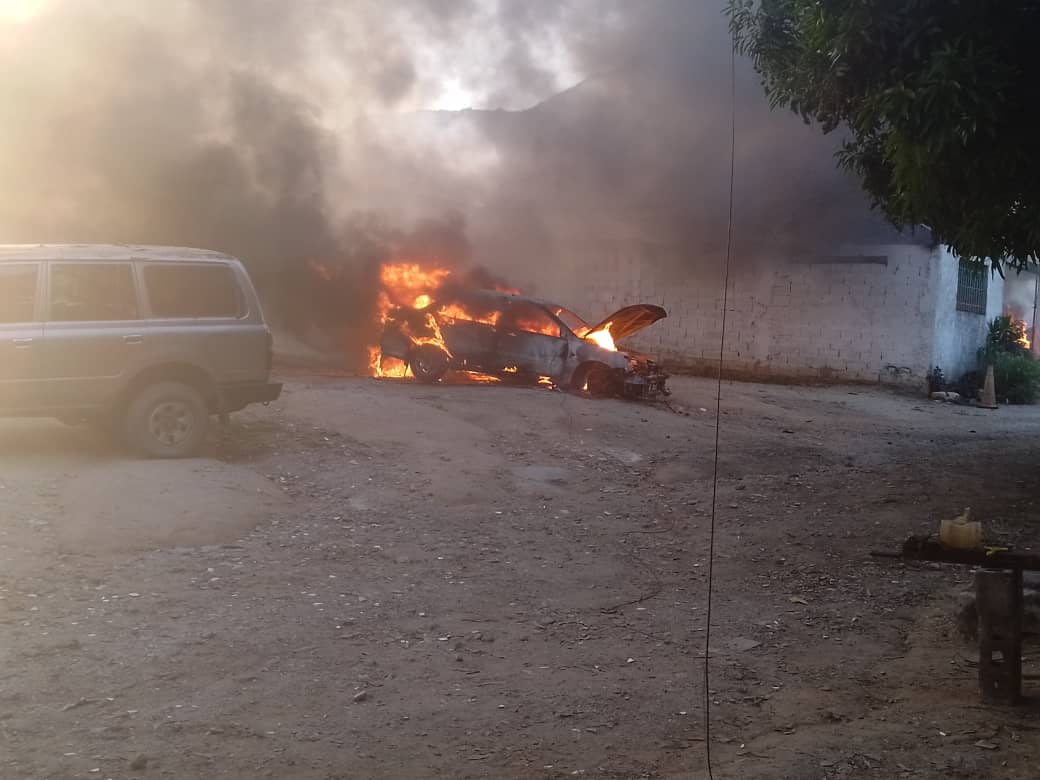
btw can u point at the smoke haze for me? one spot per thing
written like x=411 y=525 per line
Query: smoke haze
x=293 y=133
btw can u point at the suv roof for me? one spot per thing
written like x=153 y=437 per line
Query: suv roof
x=22 y=252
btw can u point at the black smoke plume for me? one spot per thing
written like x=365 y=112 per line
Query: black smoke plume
x=295 y=136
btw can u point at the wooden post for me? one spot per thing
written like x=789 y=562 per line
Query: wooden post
x=998 y=597
x=988 y=399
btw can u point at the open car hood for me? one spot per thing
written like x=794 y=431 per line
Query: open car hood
x=631 y=319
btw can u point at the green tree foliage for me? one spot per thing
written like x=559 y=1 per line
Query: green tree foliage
x=1016 y=378
x=939 y=102
x=1006 y=335
x=1016 y=373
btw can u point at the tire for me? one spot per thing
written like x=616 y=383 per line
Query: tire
x=596 y=380
x=166 y=420
x=428 y=363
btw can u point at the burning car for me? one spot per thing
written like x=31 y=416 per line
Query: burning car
x=523 y=339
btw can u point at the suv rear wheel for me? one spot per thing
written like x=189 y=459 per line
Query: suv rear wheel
x=166 y=420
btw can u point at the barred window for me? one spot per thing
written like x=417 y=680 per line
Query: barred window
x=971 y=290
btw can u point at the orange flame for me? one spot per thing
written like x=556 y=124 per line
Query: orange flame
x=545 y=326
x=602 y=337
x=484 y=379
x=1024 y=340
x=406 y=285
x=454 y=311
x=404 y=282
x=413 y=285
x=390 y=367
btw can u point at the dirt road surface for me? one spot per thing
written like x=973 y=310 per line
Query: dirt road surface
x=382 y=579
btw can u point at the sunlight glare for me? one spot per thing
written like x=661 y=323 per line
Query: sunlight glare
x=20 y=10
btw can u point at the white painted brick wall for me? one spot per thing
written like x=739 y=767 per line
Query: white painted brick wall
x=861 y=321
x=959 y=334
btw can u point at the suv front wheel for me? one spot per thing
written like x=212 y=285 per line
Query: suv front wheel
x=166 y=420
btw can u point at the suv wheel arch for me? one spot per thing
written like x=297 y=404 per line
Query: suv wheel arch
x=183 y=373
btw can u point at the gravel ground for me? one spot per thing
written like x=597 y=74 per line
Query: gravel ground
x=383 y=579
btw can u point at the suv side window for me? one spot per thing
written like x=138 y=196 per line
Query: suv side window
x=18 y=292
x=92 y=292
x=192 y=290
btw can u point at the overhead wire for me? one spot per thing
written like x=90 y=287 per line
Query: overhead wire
x=718 y=412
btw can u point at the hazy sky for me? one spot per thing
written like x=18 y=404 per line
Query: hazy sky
x=263 y=127
x=295 y=131
x=115 y=110
x=448 y=54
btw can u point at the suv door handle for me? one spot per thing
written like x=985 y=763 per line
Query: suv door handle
x=134 y=338
x=22 y=343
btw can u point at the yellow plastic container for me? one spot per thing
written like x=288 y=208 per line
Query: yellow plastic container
x=961 y=533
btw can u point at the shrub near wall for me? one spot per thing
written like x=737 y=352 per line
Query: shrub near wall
x=1016 y=373
x=1017 y=378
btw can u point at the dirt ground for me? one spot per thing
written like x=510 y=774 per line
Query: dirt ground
x=382 y=579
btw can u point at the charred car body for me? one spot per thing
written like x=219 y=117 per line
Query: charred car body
x=514 y=337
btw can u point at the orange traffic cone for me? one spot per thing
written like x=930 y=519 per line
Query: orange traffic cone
x=989 y=393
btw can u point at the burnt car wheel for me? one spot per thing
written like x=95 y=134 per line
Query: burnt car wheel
x=597 y=380
x=428 y=363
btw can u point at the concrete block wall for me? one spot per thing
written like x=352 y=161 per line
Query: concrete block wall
x=799 y=318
